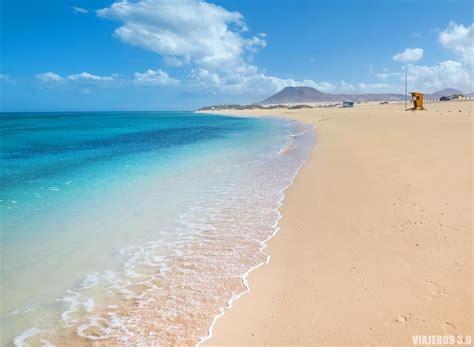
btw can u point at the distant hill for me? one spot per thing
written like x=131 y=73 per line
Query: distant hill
x=444 y=92
x=299 y=95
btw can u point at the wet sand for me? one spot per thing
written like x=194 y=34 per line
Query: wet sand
x=376 y=233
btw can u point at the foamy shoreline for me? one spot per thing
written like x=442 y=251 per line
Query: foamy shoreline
x=264 y=243
x=375 y=240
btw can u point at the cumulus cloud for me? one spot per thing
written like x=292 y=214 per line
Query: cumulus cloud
x=47 y=77
x=154 y=78
x=205 y=33
x=460 y=40
x=429 y=78
x=442 y=75
x=409 y=55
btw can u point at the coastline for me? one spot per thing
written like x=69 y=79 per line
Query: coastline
x=263 y=244
x=375 y=238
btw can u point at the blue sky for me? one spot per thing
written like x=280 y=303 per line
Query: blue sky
x=183 y=54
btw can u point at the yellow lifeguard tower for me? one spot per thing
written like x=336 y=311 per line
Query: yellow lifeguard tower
x=417 y=99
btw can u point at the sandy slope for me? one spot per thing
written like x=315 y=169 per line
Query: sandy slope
x=376 y=240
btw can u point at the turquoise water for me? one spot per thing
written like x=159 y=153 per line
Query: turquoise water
x=47 y=157
x=112 y=222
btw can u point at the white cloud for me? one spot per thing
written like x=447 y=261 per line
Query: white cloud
x=85 y=76
x=262 y=85
x=48 y=77
x=198 y=31
x=460 y=40
x=442 y=75
x=154 y=78
x=83 y=83
x=251 y=82
x=51 y=77
x=205 y=36
x=428 y=79
x=409 y=55
x=79 y=9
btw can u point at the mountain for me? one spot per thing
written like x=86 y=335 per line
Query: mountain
x=444 y=92
x=299 y=95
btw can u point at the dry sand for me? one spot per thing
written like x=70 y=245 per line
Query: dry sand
x=376 y=239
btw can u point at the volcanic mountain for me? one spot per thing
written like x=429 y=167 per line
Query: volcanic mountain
x=300 y=95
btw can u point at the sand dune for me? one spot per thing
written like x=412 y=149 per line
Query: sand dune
x=376 y=237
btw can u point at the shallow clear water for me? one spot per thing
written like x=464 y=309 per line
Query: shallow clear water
x=134 y=227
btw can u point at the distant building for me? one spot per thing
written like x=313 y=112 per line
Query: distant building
x=347 y=104
x=452 y=97
x=457 y=97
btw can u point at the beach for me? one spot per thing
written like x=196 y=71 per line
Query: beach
x=375 y=241
x=199 y=173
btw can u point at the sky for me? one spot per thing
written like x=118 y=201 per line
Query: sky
x=105 y=55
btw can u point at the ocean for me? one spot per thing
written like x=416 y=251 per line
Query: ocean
x=135 y=227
